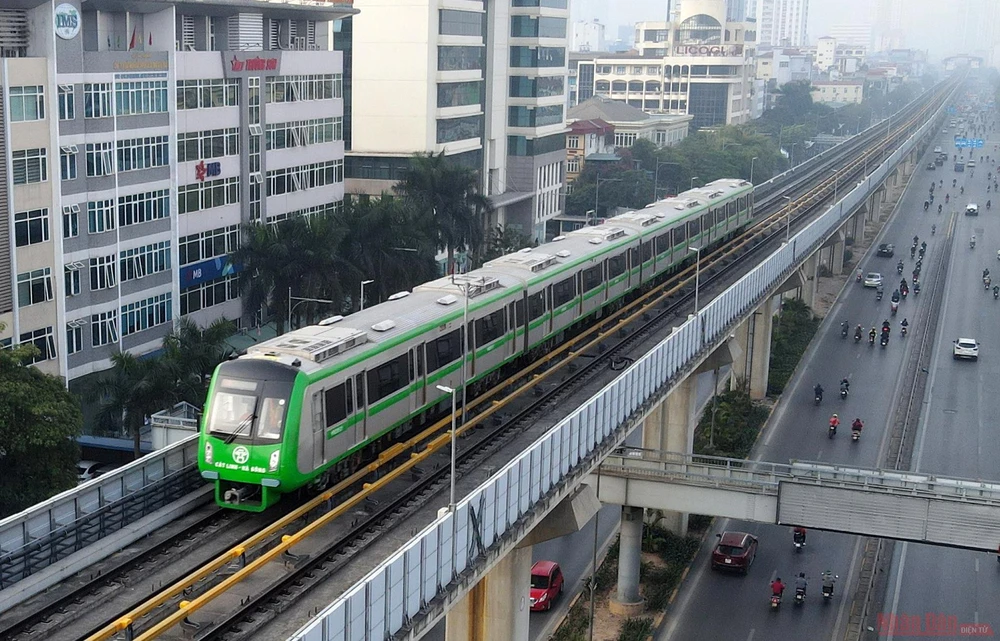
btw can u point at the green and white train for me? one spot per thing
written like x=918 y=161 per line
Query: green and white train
x=311 y=405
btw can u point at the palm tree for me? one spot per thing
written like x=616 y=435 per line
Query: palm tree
x=385 y=241
x=191 y=354
x=133 y=389
x=447 y=196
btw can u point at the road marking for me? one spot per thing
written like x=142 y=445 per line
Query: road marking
x=848 y=580
x=897 y=588
x=750 y=637
x=977 y=565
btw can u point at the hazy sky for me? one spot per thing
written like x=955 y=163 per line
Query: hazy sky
x=933 y=24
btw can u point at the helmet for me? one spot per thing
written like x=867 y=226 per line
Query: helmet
x=834 y=416
x=802 y=574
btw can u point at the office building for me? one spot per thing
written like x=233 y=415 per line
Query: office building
x=889 y=31
x=782 y=23
x=588 y=36
x=138 y=139
x=852 y=35
x=485 y=84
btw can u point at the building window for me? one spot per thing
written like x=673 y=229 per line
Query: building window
x=208 y=93
x=284 y=135
x=102 y=273
x=316 y=210
x=31 y=227
x=461 y=23
x=67 y=163
x=74 y=336
x=573 y=165
x=100 y=216
x=145 y=260
x=455 y=58
x=71 y=279
x=572 y=142
x=459 y=94
x=453 y=129
x=100 y=162
x=147 y=313
x=520 y=116
x=143 y=153
x=34 y=287
x=67 y=102
x=208 y=194
x=290 y=179
x=71 y=221
x=143 y=207
x=623 y=139
x=537 y=57
x=44 y=340
x=30 y=166
x=97 y=100
x=537 y=27
x=216 y=242
x=141 y=97
x=213 y=143
x=208 y=294
x=311 y=87
x=541 y=87
x=103 y=329
x=27 y=103
x=523 y=146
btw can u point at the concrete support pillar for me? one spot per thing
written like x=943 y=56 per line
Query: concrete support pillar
x=670 y=427
x=628 y=601
x=837 y=264
x=759 y=324
x=497 y=608
x=807 y=275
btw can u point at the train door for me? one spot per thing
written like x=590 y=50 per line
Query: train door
x=360 y=397
x=318 y=433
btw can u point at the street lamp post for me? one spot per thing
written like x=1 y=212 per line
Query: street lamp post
x=451 y=496
x=788 y=218
x=697 y=275
x=299 y=300
x=752 y=161
x=362 y=299
x=694 y=178
x=597 y=193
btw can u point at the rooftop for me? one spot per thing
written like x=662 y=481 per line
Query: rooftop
x=590 y=125
x=614 y=111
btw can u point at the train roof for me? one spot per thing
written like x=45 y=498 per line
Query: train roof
x=317 y=347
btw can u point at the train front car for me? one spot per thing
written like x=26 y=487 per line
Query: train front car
x=249 y=431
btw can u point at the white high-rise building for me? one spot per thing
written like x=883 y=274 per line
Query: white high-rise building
x=888 y=32
x=782 y=23
x=588 y=36
x=854 y=35
x=484 y=83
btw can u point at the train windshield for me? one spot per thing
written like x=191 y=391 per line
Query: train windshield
x=249 y=410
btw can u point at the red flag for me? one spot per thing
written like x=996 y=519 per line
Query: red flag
x=131 y=44
x=150 y=38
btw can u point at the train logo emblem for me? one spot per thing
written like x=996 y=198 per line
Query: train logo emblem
x=241 y=455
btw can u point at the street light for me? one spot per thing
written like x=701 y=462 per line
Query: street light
x=697 y=274
x=363 y=283
x=597 y=194
x=752 y=161
x=656 y=177
x=788 y=218
x=694 y=178
x=299 y=300
x=451 y=496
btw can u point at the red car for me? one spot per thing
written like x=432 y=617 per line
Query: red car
x=546 y=585
x=734 y=551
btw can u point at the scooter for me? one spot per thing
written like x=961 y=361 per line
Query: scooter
x=828 y=591
x=855 y=435
x=819 y=399
x=775 y=601
x=843 y=330
x=903 y=331
x=857 y=337
x=885 y=340
x=843 y=393
x=871 y=341
x=894 y=307
x=832 y=431
x=899 y=265
x=800 y=596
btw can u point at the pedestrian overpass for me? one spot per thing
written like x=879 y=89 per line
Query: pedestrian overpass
x=906 y=506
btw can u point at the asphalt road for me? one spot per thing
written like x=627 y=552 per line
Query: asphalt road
x=798 y=430
x=575 y=552
x=958 y=435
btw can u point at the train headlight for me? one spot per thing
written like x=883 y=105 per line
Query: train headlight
x=273 y=462
x=208 y=453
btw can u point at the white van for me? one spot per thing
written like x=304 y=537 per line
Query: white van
x=972 y=209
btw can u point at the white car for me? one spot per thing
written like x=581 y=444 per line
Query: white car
x=972 y=209
x=966 y=348
x=86 y=470
x=873 y=279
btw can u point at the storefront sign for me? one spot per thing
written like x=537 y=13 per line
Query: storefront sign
x=239 y=64
x=715 y=51
x=67 y=21
x=205 y=170
x=142 y=61
x=205 y=271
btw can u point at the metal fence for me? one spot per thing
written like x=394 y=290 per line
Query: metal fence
x=401 y=587
x=69 y=522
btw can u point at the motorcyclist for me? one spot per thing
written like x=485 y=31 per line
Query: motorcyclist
x=899 y=266
x=858 y=332
x=972 y=241
x=933 y=229
x=834 y=422
x=996 y=291
x=857 y=425
x=818 y=391
x=940 y=207
x=872 y=334
x=905 y=324
x=777 y=587
x=799 y=534
x=845 y=384
x=986 y=272
x=800 y=584
x=878 y=293
x=895 y=296
x=844 y=327
x=886 y=326
x=923 y=245
x=961 y=190
x=828 y=580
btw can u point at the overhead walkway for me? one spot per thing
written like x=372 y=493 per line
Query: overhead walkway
x=907 y=506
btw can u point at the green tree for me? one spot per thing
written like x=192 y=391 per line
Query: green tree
x=385 y=241
x=501 y=241
x=190 y=355
x=133 y=389
x=446 y=196
x=39 y=423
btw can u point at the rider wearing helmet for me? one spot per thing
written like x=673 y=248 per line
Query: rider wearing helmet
x=828 y=581
x=834 y=422
x=857 y=425
x=800 y=583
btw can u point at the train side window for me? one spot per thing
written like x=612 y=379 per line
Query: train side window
x=336 y=404
x=490 y=328
x=387 y=378
x=663 y=243
x=592 y=277
x=536 y=306
x=349 y=395
x=359 y=387
x=420 y=361
x=563 y=292
x=635 y=254
x=616 y=266
x=647 y=251
x=410 y=364
x=680 y=235
x=445 y=349
x=519 y=312
x=720 y=215
x=693 y=228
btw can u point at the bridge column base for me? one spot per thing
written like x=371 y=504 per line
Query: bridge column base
x=754 y=337
x=497 y=608
x=670 y=426
x=627 y=599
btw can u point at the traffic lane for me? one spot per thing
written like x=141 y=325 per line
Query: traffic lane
x=798 y=428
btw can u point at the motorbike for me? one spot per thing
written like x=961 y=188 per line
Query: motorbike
x=903 y=331
x=916 y=288
x=827 y=592
x=986 y=282
x=832 y=431
x=996 y=293
x=844 y=330
x=904 y=292
x=885 y=340
x=855 y=435
x=871 y=340
x=894 y=307
x=799 y=541
x=819 y=398
x=800 y=596
x=878 y=294
x=899 y=266
x=927 y=205
x=933 y=229
x=972 y=244
x=857 y=337
x=775 y=601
